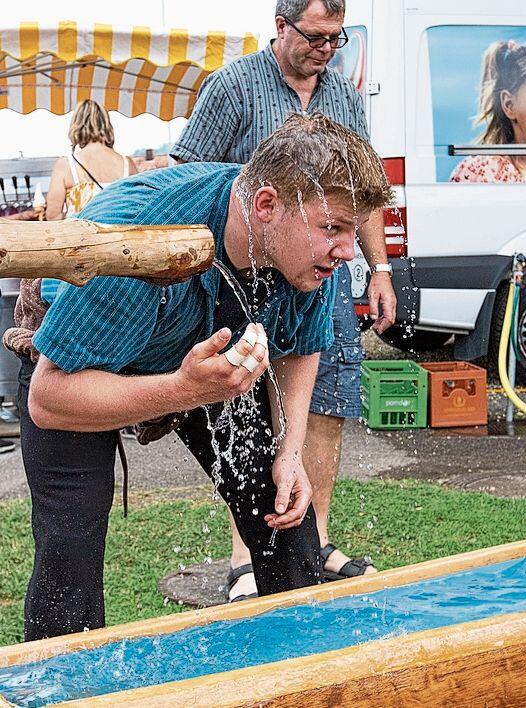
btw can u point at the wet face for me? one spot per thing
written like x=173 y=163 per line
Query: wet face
x=295 y=49
x=309 y=245
x=514 y=106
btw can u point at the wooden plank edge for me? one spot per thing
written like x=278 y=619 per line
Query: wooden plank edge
x=45 y=648
x=387 y=663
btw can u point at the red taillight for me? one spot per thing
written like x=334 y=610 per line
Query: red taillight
x=395 y=232
x=394 y=169
x=395 y=218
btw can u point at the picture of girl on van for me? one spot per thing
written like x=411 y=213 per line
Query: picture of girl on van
x=502 y=110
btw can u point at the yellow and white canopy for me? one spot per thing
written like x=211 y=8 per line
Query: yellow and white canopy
x=132 y=70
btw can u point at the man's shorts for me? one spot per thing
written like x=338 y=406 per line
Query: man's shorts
x=337 y=388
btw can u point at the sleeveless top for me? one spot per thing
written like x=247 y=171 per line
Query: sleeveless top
x=84 y=190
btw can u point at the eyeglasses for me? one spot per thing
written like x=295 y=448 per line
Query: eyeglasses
x=317 y=41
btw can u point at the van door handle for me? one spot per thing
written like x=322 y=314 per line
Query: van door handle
x=502 y=149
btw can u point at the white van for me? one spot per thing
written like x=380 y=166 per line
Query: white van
x=418 y=66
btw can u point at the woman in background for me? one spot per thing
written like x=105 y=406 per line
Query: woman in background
x=92 y=165
x=502 y=110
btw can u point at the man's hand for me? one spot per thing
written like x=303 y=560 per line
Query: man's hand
x=380 y=292
x=294 y=492
x=91 y=400
x=209 y=377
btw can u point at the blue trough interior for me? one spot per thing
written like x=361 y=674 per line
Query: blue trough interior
x=272 y=636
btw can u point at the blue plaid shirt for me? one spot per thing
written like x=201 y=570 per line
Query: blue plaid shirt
x=112 y=323
x=244 y=102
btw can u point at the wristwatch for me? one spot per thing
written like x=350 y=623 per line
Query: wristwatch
x=382 y=268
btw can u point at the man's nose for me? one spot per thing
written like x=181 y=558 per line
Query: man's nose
x=344 y=250
x=326 y=49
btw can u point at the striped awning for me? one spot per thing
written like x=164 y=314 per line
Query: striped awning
x=132 y=70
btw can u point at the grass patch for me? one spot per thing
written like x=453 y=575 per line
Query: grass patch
x=395 y=522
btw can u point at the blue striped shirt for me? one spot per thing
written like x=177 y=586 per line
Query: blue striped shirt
x=243 y=103
x=114 y=323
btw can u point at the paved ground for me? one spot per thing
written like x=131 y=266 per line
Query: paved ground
x=473 y=458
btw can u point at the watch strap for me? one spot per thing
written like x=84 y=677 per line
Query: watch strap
x=382 y=268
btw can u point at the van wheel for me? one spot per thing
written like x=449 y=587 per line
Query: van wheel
x=496 y=329
x=415 y=340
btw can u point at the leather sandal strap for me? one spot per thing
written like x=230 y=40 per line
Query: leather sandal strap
x=354 y=567
x=231 y=579
x=326 y=551
x=241 y=598
x=235 y=573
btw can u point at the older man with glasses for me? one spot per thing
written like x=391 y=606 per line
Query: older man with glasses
x=238 y=107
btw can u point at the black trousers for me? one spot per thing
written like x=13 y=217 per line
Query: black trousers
x=71 y=478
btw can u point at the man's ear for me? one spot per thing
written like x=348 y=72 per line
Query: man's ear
x=280 y=26
x=265 y=203
x=508 y=104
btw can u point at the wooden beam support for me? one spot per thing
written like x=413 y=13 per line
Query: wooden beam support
x=75 y=251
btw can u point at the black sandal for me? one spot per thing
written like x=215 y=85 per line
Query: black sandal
x=231 y=579
x=351 y=569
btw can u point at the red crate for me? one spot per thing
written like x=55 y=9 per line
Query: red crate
x=456 y=394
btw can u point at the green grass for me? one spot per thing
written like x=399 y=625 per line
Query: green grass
x=396 y=523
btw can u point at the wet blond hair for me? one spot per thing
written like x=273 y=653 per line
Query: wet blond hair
x=314 y=155
x=503 y=69
x=90 y=124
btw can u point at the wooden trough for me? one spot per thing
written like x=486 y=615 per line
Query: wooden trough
x=481 y=663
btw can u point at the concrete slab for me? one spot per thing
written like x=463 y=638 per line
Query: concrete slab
x=198 y=585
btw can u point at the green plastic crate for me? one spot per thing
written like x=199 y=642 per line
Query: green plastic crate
x=394 y=394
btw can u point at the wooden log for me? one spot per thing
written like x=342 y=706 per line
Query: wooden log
x=76 y=251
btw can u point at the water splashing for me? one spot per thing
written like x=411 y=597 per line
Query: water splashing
x=240 y=296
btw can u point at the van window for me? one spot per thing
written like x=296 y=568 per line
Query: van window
x=351 y=60
x=478 y=95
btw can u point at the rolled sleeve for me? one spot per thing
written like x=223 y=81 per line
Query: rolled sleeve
x=213 y=125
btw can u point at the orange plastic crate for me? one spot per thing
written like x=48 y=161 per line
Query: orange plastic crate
x=456 y=394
